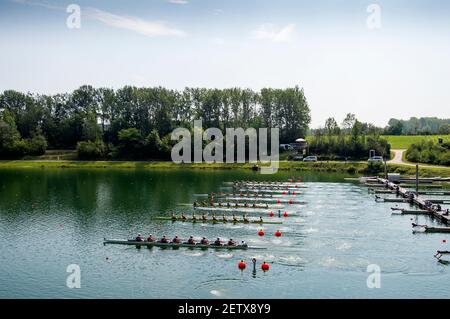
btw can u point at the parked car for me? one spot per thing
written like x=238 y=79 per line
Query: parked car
x=297 y=158
x=310 y=159
x=376 y=159
x=286 y=147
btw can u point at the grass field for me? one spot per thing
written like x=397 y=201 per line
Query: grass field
x=403 y=142
x=330 y=166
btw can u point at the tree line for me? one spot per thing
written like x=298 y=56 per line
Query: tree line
x=418 y=126
x=351 y=140
x=133 y=122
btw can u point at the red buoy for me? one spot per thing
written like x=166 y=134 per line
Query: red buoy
x=284 y=193
x=271 y=214
x=261 y=233
x=294 y=193
x=278 y=201
x=265 y=266
x=285 y=214
x=296 y=186
x=278 y=233
x=242 y=265
x=290 y=202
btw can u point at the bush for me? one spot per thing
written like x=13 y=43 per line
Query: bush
x=37 y=145
x=429 y=152
x=91 y=150
x=374 y=167
x=131 y=143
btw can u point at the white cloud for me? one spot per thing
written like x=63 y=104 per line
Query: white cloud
x=43 y=4
x=178 y=1
x=147 y=28
x=271 y=32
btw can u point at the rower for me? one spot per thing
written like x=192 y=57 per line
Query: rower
x=176 y=240
x=174 y=217
x=246 y=204
x=228 y=204
x=261 y=219
x=234 y=218
x=214 y=218
x=254 y=205
x=194 y=218
x=243 y=244
x=183 y=216
x=267 y=206
x=151 y=239
x=245 y=219
x=138 y=238
x=191 y=241
x=204 y=217
x=164 y=240
x=217 y=242
x=204 y=241
x=224 y=218
x=195 y=204
x=220 y=204
x=231 y=242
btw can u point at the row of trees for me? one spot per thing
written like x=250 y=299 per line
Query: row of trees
x=136 y=122
x=12 y=145
x=418 y=126
x=429 y=152
x=352 y=140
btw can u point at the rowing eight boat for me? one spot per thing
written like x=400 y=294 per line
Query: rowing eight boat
x=173 y=245
x=217 y=221
x=239 y=205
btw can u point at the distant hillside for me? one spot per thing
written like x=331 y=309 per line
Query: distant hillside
x=418 y=126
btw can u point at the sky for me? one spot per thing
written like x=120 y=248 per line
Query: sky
x=376 y=59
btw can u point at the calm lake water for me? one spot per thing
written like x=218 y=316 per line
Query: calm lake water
x=50 y=219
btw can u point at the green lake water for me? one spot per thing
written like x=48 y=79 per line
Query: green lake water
x=51 y=218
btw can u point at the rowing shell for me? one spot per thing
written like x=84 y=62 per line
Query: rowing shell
x=271 y=191
x=244 y=188
x=247 y=210
x=172 y=245
x=264 y=200
x=239 y=205
x=218 y=221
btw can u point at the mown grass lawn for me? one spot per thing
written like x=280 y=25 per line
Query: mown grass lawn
x=403 y=142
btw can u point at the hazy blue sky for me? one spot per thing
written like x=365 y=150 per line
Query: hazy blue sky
x=399 y=70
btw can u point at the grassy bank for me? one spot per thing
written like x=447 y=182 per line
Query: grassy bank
x=343 y=167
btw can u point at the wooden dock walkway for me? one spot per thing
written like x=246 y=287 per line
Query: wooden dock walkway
x=414 y=199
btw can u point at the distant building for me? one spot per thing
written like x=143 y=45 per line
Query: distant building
x=300 y=145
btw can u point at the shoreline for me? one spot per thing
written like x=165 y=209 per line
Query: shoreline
x=356 y=168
